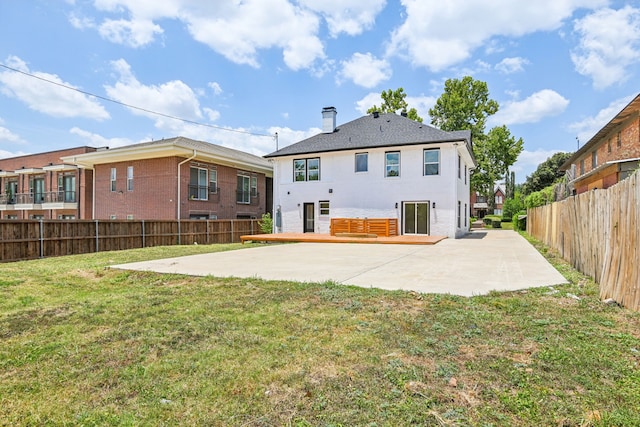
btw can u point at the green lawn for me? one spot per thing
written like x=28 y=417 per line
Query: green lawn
x=82 y=344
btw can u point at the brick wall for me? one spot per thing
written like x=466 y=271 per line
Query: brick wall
x=610 y=149
x=155 y=191
x=40 y=160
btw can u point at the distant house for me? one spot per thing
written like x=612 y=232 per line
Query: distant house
x=480 y=207
x=177 y=178
x=377 y=166
x=42 y=186
x=610 y=156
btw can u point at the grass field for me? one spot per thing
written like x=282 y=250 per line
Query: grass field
x=83 y=344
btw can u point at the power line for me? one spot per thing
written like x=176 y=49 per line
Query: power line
x=104 y=98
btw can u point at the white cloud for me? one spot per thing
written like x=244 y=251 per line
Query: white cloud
x=365 y=70
x=173 y=98
x=47 y=97
x=511 y=65
x=609 y=45
x=544 y=103
x=96 y=140
x=586 y=128
x=237 y=30
x=213 y=115
x=217 y=89
x=347 y=16
x=7 y=136
x=437 y=35
x=134 y=33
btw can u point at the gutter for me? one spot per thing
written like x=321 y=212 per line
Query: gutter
x=195 y=153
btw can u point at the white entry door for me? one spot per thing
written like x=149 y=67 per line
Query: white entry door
x=416 y=217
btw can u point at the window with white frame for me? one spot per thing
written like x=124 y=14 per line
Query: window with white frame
x=392 y=164
x=432 y=161
x=243 y=194
x=362 y=162
x=198 y=180
x=130 y=178
x=306 y=169
x=459 y=212
x=324 y=207
x=113 y=179
x=459 y=166
x=213 y=181
x=254 y=186
x=498 y=199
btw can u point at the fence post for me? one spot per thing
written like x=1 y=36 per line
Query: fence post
x=41 y=239
x=179 y=236
x=208 y=232
x=97 y=241
x=143 y=236
x=232 y=231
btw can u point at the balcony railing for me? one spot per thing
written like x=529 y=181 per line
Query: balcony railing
x=247 y=197
x=49 y=197
x=7 y=199
x=203 y=192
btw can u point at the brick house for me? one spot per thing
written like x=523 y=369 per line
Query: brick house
x=42 y=186
x=177 y=178
x=480 y=207
x=610 y=156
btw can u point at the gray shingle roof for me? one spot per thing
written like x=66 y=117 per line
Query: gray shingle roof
x=387 y=130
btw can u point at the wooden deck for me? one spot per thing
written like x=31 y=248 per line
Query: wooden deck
x=327 y=238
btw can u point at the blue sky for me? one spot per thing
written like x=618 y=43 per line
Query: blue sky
x=238 y=71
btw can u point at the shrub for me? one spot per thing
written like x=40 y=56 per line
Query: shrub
x=519 y=224
x=496 y=223
x=266 y=223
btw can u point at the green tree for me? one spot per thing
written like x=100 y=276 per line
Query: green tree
x=464 y=105
x=547 y=173
x=394 y=101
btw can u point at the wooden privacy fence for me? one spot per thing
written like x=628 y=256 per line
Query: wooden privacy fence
x=598 y=232
x=383 y=227
x=21 y=240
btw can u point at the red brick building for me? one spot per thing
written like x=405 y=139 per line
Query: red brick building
x=177 y=178
x=610 y=156
x=480 y=207
x=42 y=186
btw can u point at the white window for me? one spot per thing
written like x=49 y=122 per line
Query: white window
x=324 y=207
x=130 y=178
x=498 y=200
x=129 y=216
x=198 y=180
x=432 y=162
x=459 y=166
x=362 y=162
x=306 y=169
x=113 y=179
x=254 y=186
x=459 y=212
x=392 y=163
x=243 y=190
x=213 y=181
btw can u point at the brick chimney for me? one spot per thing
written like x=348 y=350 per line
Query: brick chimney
x=329 y=119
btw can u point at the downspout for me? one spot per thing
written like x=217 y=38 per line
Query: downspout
x=93 y=192
x=195 y=153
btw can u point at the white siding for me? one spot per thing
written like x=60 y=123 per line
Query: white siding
x=371 y=195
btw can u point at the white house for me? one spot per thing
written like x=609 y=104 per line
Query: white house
x=377 y=166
